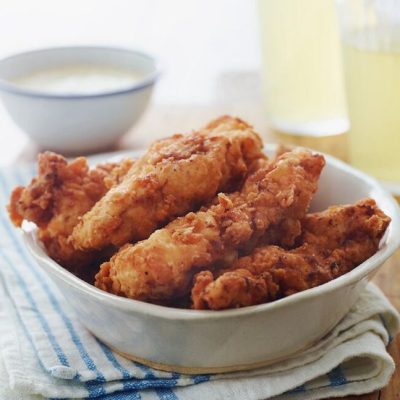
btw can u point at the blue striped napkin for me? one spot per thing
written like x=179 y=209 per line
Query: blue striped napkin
x=45 y=351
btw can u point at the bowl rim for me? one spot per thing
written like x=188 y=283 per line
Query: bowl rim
x=147 y=81
x=389 y=244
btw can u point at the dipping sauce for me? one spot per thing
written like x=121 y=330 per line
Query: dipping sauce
x=79 y=79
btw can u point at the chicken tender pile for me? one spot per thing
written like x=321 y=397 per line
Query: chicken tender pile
x=332 y=243
x=175 y=176
x=203 y=219
x=162 y=266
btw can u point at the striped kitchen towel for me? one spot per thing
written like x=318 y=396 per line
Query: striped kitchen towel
x=45 y=351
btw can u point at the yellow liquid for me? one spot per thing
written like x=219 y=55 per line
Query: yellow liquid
x=302 y=78
x=373 y=96
x=336 y=145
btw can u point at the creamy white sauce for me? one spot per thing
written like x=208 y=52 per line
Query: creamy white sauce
x=79 y=79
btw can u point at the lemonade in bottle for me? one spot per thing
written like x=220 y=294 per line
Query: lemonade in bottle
x=301 y=71
x=373 y=82
x=371 y=59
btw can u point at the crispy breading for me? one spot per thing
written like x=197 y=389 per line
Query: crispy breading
x=332 y=243
x=176 y=175
x=117 y=172
x=162 y=266
x=57 y=197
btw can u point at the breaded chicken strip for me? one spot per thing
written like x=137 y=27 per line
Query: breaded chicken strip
x=162 y=266
x=333 y=242
x=176 y=175
x=57 y=197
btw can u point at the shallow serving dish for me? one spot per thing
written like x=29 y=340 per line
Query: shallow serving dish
x=215 y=341
x=82 y=121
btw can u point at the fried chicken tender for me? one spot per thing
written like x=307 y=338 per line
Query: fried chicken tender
x=176 y=175
x=162 y=267
x=116 y=172
x=57 y=197
x=333 y=242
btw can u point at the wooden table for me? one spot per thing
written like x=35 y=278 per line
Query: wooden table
x=388 y=279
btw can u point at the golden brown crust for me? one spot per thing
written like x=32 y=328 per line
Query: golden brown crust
x=236 y=288
x=56 y=198
x=333 y=242
x=116 y=174
x=176 y=175
x=162 y=266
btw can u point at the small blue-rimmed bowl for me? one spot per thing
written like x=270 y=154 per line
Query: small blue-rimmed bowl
x=76 y=122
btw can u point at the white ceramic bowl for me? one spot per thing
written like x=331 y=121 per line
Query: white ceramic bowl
x=76 y=123
x=213 y=341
